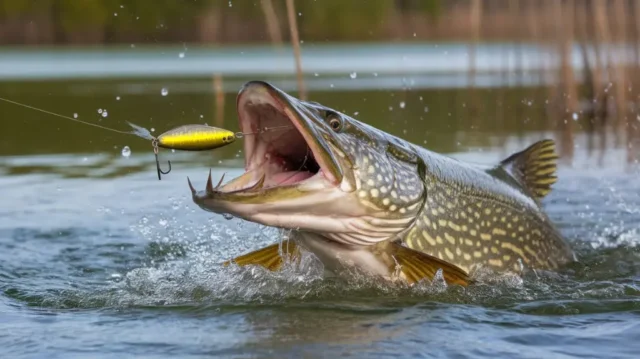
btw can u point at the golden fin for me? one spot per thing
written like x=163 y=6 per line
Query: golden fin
x=268 y=257
x=417 y=265
x=535 y=167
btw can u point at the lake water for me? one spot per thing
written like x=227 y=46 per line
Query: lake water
x=99 y=259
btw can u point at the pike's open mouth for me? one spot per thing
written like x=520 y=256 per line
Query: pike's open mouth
x=279 y=148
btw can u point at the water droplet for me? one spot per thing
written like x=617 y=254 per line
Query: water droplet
x=181 y=55
x=331 y=85
x=299 y=14
x=117 y=98
x=104 y=113
x=162 y=222
x=356 y=113
x=164 y=91
x=353 y=75
x=402 y=104
x=390 y=108
x=115 y=14
x=227 y=216
x=126 y=151
x=239 y=134
x=316 y=74
x=426 y=109
x=230 y=4
x=75 y=115
x=575 y=116
x=99 y=110
x=201 y=116
x=152 y=129
x=375 y=74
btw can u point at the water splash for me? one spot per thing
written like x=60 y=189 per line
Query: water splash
x=126 y=151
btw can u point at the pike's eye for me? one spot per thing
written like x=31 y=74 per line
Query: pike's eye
x=335 y=122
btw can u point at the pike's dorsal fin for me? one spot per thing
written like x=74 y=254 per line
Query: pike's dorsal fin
x=534 y=168
x=416 y=266
x=269 y=257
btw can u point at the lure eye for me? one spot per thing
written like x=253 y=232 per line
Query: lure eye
x=335 y=122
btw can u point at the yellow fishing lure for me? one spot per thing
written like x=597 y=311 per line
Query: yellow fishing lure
x=196 y=138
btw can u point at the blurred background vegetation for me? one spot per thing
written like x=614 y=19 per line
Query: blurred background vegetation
x=72 y=22
x=201 y=21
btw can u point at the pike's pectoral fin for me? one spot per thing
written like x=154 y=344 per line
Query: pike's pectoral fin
x=270 y=257
x=535 y=167
x=417 y=266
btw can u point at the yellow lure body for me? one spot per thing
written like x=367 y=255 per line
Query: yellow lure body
x=196 y=138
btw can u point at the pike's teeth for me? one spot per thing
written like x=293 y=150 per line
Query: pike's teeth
x=258 y=184
x=193 y=190
x=221 y=179
x=210 y=188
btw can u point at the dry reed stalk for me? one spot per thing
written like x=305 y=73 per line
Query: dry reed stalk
x=475 y=19
x=564 y=13
x=548 y=11
x=600 y=97
x=219 y=95
x=271 y=19
x=533 y=19
x=515 y=23
x=633 y=132
x=603 y=37
x=588 y=111
x=620 y=11
x=295 y=42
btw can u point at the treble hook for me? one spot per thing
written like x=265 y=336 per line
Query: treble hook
x=155 y=152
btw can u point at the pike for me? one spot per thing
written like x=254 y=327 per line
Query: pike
x=355 y=196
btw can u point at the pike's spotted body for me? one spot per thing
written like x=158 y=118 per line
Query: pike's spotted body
x=357 y=196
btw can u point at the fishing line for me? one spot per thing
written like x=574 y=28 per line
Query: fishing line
x=188 y=137
x=67 y=117
x=137 y=129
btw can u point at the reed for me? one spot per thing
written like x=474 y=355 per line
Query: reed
x=475 y=17
x=271 y=19
x=604 y=96
x=295 y=43
x=218 y=90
